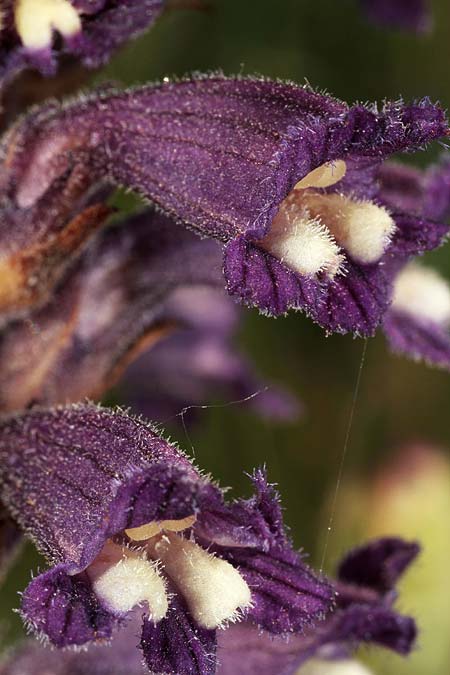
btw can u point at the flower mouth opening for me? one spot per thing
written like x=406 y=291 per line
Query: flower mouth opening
x=35 y=21
x=313 y=231
x=124 y=576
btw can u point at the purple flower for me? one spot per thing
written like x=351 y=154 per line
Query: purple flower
x=413 y=15
x=364 y=614
x=418 y=322
x=126 y=520
x=282 y=175
x=90 y=30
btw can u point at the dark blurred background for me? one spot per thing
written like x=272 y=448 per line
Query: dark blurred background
x=400 y=403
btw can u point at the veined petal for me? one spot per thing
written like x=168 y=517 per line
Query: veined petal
x=379 y=564
x=278 y=579
x=64 y=610
x=178 y=645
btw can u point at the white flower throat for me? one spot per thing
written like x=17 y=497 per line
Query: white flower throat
x=122 y=578
x=313 y=230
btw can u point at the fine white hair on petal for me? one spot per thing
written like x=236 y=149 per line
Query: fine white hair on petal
x=362 y=228
x=423 y=293
x=213 y=589
x=122 y=579
x=302 y=243
x=337 y=667
x=37 y=19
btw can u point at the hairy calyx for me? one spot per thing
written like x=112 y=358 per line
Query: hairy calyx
x=124 y=577
x=313 y=230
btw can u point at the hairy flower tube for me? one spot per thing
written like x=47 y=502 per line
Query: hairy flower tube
x=285 y=177
x=127 y=521
x=90 y=30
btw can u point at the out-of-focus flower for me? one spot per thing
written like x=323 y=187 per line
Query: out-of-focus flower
x=283 y=176
x=141 y=281
x=90 y=30
x=38 y=243
x=418 y=322
x=108 y=307
x=424 y=192
x=364 y=614
x=413 y=15
x=127 y=520
x=119 y=657
x=200 y=361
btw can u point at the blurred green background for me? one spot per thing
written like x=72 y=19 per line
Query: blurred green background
x=329 y=44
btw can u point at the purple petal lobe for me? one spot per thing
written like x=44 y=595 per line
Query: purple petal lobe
x=379 y=625
x=379 y=564
x=355 y=302
x=286 y=595
x=256 y=522
x=64 y=609
x=418 y=338
x=177 y=645
x=416 y=235
x=261 y=653
x=257 y=278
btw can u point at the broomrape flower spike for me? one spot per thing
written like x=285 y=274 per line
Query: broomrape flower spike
x=128 y=522
x=285 y=178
